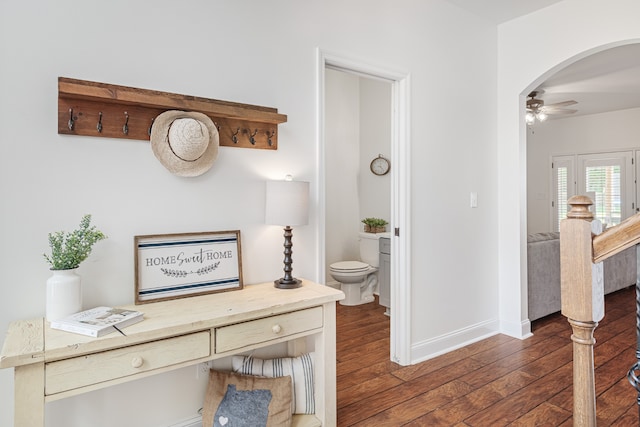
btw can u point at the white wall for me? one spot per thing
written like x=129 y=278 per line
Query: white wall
x=595 y=133
x=256 y=52
x=375 y=139
x=530 y=49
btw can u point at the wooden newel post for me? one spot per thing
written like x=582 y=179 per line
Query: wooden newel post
x=582 y=291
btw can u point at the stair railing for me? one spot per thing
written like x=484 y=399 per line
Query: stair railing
x=583 y=247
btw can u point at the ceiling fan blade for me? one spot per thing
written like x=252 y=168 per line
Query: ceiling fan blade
x=561 y=104
x=559 y=111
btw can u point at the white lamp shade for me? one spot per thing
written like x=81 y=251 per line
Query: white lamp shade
x=287 y=203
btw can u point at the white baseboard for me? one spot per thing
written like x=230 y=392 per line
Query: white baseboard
x=434 y=347
x=520 y=330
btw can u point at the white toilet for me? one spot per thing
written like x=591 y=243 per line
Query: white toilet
x=358 y=279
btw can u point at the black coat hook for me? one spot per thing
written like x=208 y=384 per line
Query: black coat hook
x=71 y=121
x=234 y=137
x=270 y=137
x=252 y=140
x=99 y=125
x=151 y=126
x=125 y=128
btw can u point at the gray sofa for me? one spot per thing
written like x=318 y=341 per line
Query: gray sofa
x=543 y=271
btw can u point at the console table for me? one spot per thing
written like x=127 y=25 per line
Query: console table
x=51 y=364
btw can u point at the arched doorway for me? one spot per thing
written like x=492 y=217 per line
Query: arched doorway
x=597 y=79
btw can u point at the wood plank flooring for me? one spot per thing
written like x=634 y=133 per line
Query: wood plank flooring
x=499 y=381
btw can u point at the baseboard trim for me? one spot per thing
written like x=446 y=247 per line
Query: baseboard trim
x=520 y=330
x=437 y=346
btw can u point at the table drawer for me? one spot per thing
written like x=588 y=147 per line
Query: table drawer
x=269 y=328
x=95 y=368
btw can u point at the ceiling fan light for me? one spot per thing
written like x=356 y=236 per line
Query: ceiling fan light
x=529 y=117
x=541 y=116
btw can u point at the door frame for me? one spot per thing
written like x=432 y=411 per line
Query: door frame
x=400 y=351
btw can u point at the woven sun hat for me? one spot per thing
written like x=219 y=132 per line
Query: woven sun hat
x=186 y=143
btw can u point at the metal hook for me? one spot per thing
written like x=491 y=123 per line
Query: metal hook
x=71 y=121
x=269 y=137
x=151 y=126
x=125 y=128
x=99 y=125
x=234 y=137
x=252 y=140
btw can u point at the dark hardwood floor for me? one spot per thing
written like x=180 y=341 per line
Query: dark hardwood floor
x=495 y=382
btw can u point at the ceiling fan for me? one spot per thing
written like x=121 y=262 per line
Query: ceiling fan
x=537 y=110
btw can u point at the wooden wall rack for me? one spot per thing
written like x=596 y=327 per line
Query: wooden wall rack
x=105 y=110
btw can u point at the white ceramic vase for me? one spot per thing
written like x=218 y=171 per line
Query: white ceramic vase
x=64 y=294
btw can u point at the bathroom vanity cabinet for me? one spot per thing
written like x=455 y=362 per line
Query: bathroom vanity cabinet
x=384 y=273
x=51 y=364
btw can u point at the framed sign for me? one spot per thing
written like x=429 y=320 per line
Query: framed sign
x=170 y=266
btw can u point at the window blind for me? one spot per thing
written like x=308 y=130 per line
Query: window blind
x=605 y=182
x=562 y=195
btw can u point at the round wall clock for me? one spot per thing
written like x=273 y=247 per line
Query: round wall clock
x=380 y=165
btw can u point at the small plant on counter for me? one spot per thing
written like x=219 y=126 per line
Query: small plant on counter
x=374 y=225
x=68 y=250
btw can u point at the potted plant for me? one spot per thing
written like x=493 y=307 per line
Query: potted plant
x=68 y=250
x=374 y=225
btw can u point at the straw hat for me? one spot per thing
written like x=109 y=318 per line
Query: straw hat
x=186 y=143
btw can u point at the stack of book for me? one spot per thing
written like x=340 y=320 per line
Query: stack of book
x=98 y=321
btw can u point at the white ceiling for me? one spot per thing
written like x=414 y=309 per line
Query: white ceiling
x=605 y=81
x=498 y=11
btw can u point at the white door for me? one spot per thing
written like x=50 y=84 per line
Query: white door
x=608 y=177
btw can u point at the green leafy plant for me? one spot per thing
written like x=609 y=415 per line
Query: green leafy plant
x=68 y=250
x=374 y=222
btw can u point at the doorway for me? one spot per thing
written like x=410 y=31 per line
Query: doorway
x=595 y=141
x=399 y=224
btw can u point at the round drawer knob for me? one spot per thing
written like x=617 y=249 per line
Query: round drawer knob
x=276 y=329
x=136 y=362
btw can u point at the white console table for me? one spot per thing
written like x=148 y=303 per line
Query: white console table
x=51 y=364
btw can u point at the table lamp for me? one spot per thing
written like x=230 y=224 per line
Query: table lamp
x=287 y=205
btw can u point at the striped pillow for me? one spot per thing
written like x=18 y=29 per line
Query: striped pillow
x=300 y=369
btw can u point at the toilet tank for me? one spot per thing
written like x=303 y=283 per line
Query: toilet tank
x=369 y=251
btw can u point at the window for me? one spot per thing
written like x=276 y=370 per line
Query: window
x=604 y=183
x=608 y=179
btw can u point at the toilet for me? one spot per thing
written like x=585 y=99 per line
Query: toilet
x=358 y=279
